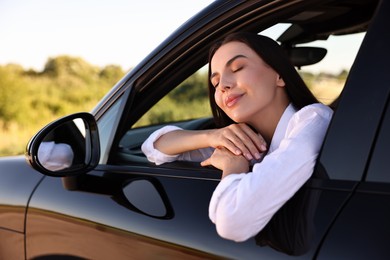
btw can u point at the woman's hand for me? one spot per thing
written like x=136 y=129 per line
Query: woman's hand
x=239 y=139
x=228 y=162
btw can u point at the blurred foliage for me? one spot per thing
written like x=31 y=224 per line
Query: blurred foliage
x=191 y=96
x=30 y=99
x=193 y=88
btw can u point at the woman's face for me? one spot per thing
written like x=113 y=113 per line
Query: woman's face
x=246 y=88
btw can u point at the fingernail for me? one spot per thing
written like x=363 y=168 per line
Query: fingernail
x=263 y=147
x=249 y=156
x=257 y=156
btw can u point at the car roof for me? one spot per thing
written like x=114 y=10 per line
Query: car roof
x=329 y=18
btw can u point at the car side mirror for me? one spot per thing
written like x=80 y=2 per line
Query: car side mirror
x=68 y=146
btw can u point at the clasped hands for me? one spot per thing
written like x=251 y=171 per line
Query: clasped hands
x=235 y=146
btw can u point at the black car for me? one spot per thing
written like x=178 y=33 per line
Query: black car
x=111 y=203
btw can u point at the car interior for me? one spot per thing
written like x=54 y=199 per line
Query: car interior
x=303 y=30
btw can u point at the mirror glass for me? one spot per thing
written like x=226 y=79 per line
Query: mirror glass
x=65 y=147
x=145 y=197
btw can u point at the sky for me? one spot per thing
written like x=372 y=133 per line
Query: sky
x=103 y=32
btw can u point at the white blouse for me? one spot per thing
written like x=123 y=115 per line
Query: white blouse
x=243 y=203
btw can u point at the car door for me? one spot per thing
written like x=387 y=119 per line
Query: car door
x=362 y=228
x=361 y=132
x=126 y=211
x=16 y=188
x=139 y=210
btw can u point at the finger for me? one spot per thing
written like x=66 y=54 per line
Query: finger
x=230 y=141
x=235 y=139
x=256 y=139
x=232 y=147
x=249 y=142
x=206 y=162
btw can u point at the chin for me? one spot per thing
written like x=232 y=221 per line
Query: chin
x=238 y=119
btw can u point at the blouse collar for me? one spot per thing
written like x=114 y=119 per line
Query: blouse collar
x=281 y=127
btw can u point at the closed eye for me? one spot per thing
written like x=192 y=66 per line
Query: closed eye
x=237 y=69
x=214 y=80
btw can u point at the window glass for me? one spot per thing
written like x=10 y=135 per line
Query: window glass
x=379 y=169
x=187 y=101
x=326 y=78
x=106 y=127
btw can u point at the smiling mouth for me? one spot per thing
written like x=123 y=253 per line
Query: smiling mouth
x=230 y=101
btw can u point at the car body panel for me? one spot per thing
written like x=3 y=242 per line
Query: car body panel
x=80 y=210
x=16 y=187
x=14 y=193
x=345 y=238
x=368 y=89
x=11 y=244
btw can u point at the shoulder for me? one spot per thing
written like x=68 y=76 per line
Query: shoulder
x=316 y=110
x=311 y=118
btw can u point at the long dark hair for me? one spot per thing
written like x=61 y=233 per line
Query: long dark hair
x=272 y=54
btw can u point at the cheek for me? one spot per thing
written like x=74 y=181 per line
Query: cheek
x=218 y=98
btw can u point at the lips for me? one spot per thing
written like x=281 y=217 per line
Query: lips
x=231 y=100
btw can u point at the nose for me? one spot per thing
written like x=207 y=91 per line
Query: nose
x=226 y=83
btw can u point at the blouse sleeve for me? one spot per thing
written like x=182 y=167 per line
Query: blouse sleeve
x=242 y=204
x=55 y=157
x=158 y=157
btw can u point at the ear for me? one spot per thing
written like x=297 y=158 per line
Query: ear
x=279 y=81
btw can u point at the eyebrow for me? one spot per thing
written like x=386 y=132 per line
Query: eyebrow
x=228 y=63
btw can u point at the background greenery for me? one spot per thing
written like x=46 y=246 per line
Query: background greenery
x=30 y=99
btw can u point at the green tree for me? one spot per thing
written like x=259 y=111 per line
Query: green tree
x=31 y=99
x=12 y=97
x=193 y=88
x=70 y=66
x=111 y=73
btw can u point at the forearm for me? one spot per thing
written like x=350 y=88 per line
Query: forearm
x=180 y=141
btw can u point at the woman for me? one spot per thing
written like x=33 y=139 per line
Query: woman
x=266 y=117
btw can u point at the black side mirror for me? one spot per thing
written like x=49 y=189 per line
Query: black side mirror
x=68 y=146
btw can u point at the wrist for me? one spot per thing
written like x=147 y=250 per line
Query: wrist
x=206 y=137
x=236 y=167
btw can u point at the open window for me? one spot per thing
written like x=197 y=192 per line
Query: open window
x=187 y=105
x=322 y=41
x=325 y=77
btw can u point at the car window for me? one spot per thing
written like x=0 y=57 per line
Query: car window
x=326 y=78
x=189 y=100
x=379 y=168
x=106 y=127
